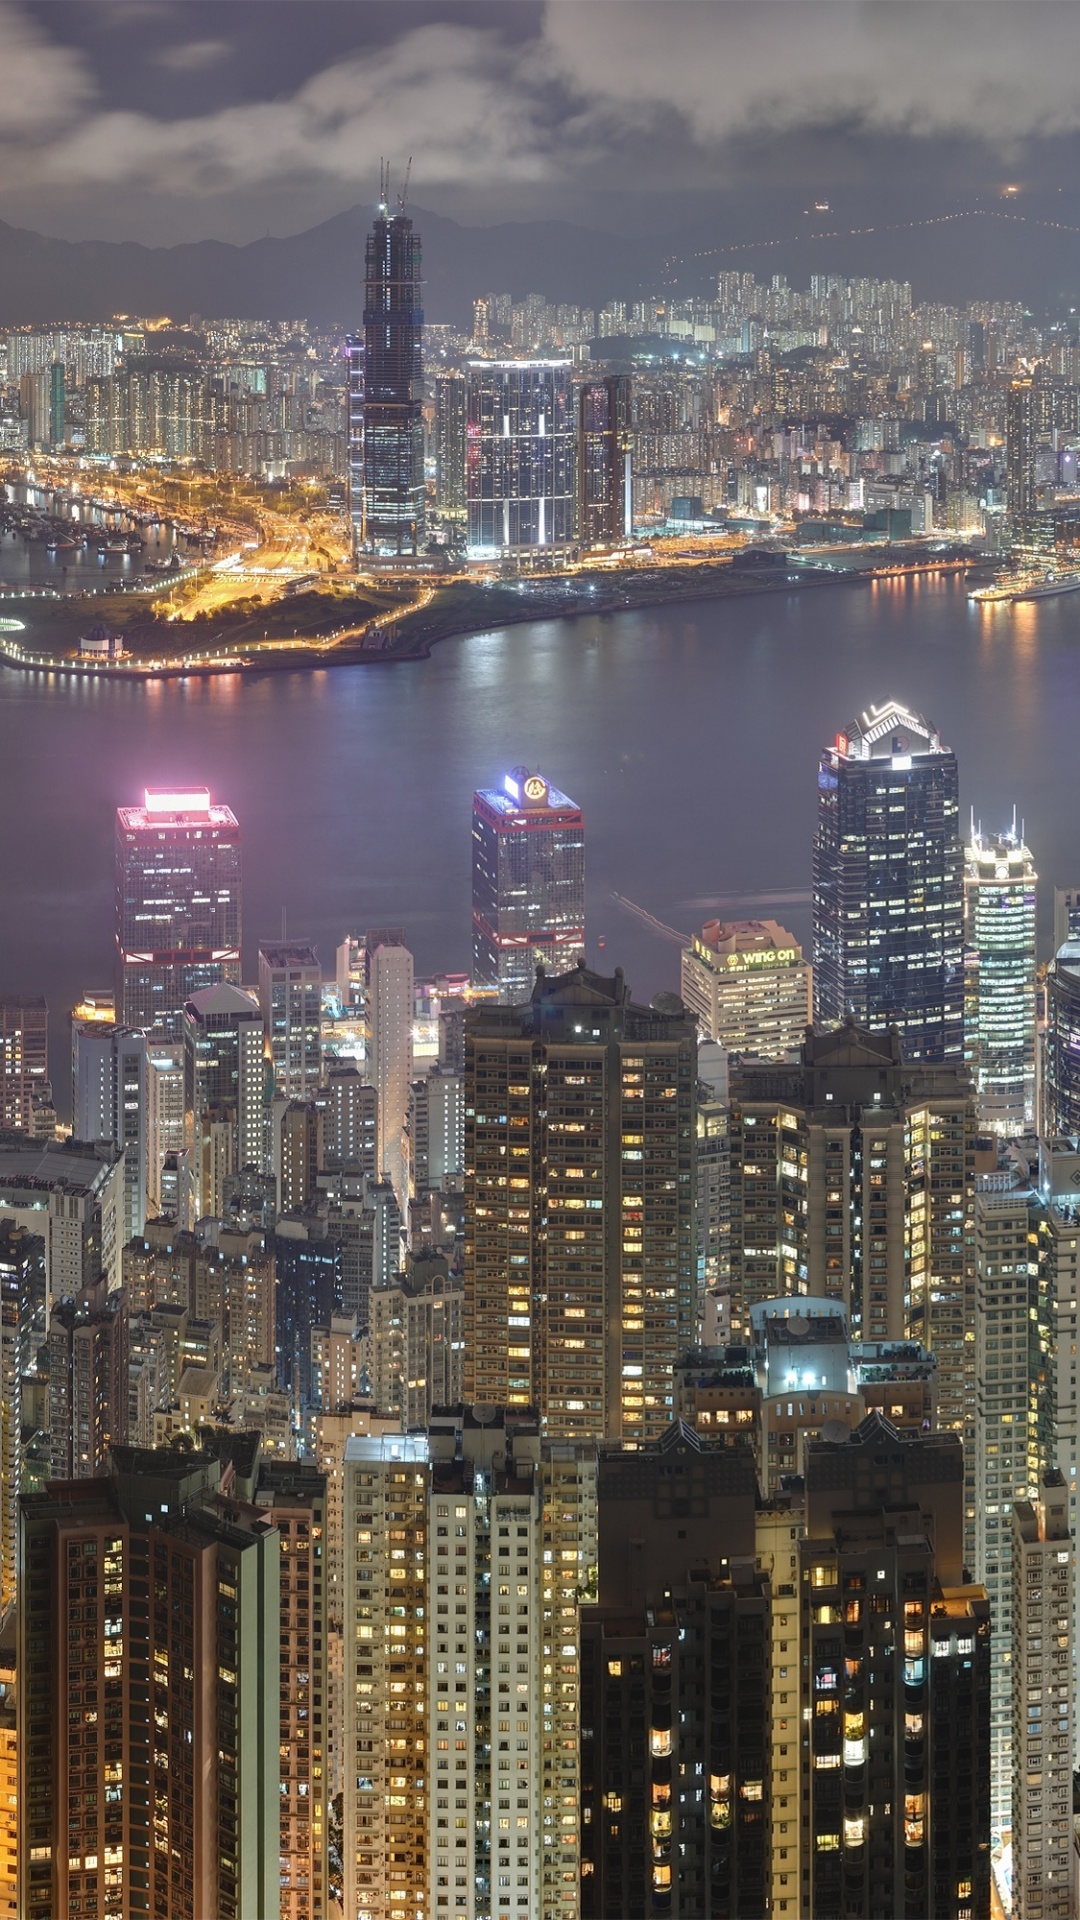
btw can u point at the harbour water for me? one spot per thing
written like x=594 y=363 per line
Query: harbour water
x=689 y=734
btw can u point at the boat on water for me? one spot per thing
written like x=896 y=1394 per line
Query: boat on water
x=1045 y=588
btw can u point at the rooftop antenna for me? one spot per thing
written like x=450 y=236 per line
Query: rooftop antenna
x=404 y=194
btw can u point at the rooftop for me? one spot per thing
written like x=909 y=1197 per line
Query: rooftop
x=888 y=732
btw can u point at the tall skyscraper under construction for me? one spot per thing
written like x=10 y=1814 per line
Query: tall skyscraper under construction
x=390 y=470
x=889 y=884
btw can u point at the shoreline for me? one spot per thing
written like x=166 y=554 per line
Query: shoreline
x=435 y=625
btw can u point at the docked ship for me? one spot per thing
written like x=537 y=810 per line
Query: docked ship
x=1028 y=587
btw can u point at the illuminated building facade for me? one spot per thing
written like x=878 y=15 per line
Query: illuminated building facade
x=391 y=1009
x=1020 y=450
x=177 y=904
x=290 y=996
x=580 y=1144
x=392 y=498
x=294 y=1498
x=149 y=1768
x=519 y=460
x=22 y=1295
x=888 y=884
x=605 y=476
x=450 y=499
x=528 y=882
x=1043 y=1583
x=224 y=1091
x=109 y=1089
x=1061 y=1087
x=852 y=1179
x=24 y=1060
x=749 y=987
x=999 y=937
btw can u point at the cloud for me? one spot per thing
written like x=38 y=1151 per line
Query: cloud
x=44 y=86
x=192 y=56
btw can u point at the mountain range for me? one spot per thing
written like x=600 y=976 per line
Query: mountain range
x=984 y=252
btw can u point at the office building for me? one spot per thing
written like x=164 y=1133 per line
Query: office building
x=580 y=1137
x=177 y=905
x=1061 y=1082
x=149 y=1768
x=675 y=1777
x=290 y=995
x=459 y=1684
x=224 y=1092
x=301 y=1153
x=354 y=434
x=713 y=1191
x=1020 y=483
x=1066 y=915
x=88 y=1353
x=852 y=1179
x=605 y=476
x=528 y=882
x=1043 y=1581
x=390 y=989
x=748 y=986
x=24 y=1061
x=109 y=1102
x=1014 y=1438
x=417 y=1342
x=392 y=471
x=22 y=1300
x=519 y=463
x=450 y=500
x=888 y=884
x=294 y=1499
x=890 y=1722
x=999 y=1013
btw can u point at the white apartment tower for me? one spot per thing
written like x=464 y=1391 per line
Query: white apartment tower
x=999 y=973
x=1042 y=1818
x=391 y=1057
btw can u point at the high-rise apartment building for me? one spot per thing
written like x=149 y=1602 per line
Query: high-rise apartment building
x=1061 y=1082
x=1041 y=1649
x=528 y=882
x=450 y=500
x=224 y=1091
x=999 y=938
x=888 y=884
x=392 y=457
x=22 y=1296
x=109 y=1102
x=749 y=987
x=1020 y=484
x=88 y=1382
x=890 y=1720
x=580 y=1137
x=149 y=1766
x=390 y=1000
x=852 y=1179
x=24 y=1061
x=519 y=461
x=165 y=1123
x=437 y=1130
x=177 y=904
x=290 y=995
x=605 y=476
x=350 y=1112
x=467 y=1548
x=417 y=1341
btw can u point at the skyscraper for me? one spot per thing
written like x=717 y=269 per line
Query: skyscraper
x=888 y=884
x=528 y=882
x=177 y=904
x=391 y=1065
x=22 y=1293
x=450 y=446
x=1043 y=1575
x=392 y=498
x=580 y=1139
x=224 y=1091
x=999 y=935
x=1020 y=450
x=290 y=995
x=605 y=478
x=24 y=1060
x=109 y=1087
x=519 y=470
x=1061 y=1087
x=749 y=986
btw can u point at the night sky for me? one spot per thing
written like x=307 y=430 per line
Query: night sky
x=169 y=120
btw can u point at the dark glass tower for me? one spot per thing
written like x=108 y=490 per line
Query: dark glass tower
x=528 y=890
x=177 y=905
x=604 y=471
x=1061 y=1096
x=392 y=484
x=888 y=884
x=1020 y=449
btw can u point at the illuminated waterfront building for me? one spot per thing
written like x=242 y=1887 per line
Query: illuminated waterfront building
x=24 y=1060
x=519 y=462
x=888 y=884
x=392 y=472
x=1043 y=1599
x=999 y=937
x=528 y=882
x=290 y=995
x=580 y=1256
x=749 y=987
x=605 y=479
x=149 y=1769
x=177 y=904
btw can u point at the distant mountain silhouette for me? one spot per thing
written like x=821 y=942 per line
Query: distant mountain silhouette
x=318 y=274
